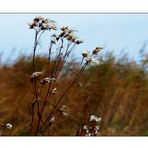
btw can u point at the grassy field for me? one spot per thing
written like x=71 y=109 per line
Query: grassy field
x=116 y=91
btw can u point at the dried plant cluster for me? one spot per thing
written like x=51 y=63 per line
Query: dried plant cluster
x=116 y=89
x=5 y=127
x=47 y=108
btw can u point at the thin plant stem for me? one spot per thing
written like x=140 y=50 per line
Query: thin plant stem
x=34 y=49
x=55 y=107
x=49 y=52
x=42 y=109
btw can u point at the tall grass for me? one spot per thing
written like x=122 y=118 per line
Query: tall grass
x=118 y=93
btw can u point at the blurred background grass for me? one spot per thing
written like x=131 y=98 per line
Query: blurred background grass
x=118 y=91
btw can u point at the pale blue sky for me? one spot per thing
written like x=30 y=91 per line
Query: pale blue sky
x=113 y=31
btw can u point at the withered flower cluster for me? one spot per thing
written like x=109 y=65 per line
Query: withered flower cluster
x=4 y=127
x=45 y=110
x=90 y=58
x=68 y=34
x=40 y=23
x=92 y=129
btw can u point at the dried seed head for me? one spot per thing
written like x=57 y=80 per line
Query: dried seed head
x=38 y=18
x=94 y=118
x=69 y=37
x=67 y=30
x=47 y=80
x=96 y=50
x=36 y=74
x=40 y=23
x=85 y=54
x=9 y=126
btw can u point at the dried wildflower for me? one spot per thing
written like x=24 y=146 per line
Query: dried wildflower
x=71 y=37
x=40 y=23
x=47 y=80
x=37 y=19
x=68 y=34
x=67 y=30
x=93 y=127
x=94 y=118
x=85 y=54
x=90 y=58
x=93 y=60
x=96 y=50
x=9 y=126
x=36 y=74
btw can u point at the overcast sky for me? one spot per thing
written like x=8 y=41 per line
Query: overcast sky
x=114 y=32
